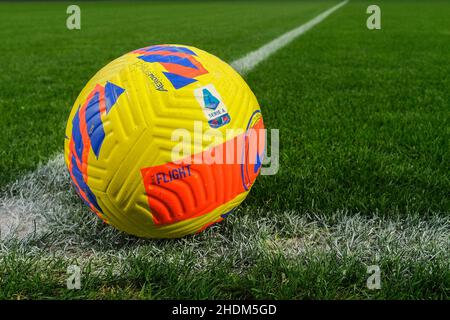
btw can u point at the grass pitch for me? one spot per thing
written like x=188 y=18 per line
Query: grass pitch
x=364 y=136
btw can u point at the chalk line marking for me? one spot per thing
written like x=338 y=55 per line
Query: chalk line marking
x=252 y=59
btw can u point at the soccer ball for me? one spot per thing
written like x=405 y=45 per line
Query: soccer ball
x=164 y=141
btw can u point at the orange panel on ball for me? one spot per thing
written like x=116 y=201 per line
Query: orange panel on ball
x=188 y=189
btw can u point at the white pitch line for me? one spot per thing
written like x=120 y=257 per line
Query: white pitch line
x=252 y=59
x=30 y=201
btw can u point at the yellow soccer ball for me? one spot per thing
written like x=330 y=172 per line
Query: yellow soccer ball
x=164 y=141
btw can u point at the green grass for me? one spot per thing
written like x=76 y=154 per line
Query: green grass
x=364 y=115
x=364 y=135
x=295 y=258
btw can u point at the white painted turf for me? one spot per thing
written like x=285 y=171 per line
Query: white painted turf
x=28 y=201
x=252 y=59
x=27 y=204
